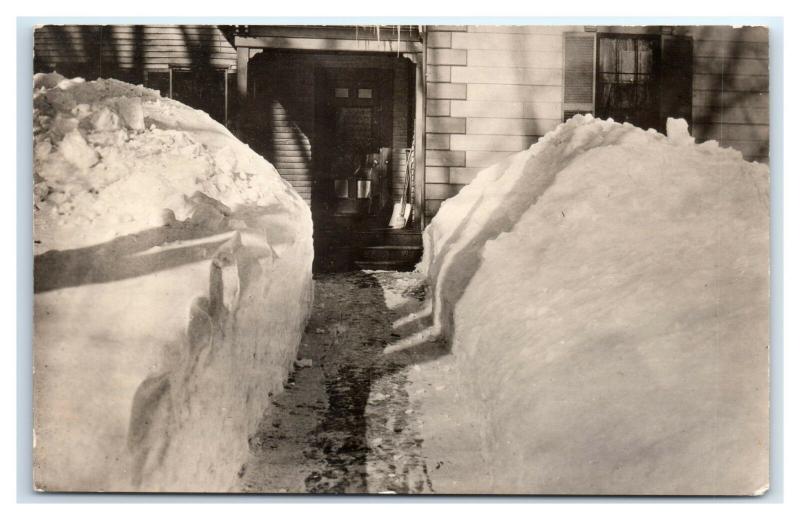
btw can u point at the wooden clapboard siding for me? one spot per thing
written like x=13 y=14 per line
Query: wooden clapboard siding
x=508 y=109
x=95 y=50
x=282 y=112
x=133 y=53
x=492 y=91
x=72 y=49
x=510 y=126
x=506 y=76
x=730 y=87
x=160 y=46
x=483 y=159
x=514 y=58
x=507 y=42
x=491 y=143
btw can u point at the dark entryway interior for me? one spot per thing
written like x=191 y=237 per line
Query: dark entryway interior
x=353 y=128
x=338 y=127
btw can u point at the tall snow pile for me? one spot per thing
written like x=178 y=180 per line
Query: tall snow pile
x=172 y=284
x=606 y=294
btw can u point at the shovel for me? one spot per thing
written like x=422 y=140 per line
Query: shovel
x=402 y=210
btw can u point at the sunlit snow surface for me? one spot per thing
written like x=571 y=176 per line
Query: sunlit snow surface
x=172 y=284
x=606 y=294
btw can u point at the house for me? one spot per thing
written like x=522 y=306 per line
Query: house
x=336 y=108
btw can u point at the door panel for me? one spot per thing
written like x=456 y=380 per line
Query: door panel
x=353 y=118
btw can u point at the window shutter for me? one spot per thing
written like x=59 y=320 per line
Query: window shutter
x=676 y=77
x=579 y=81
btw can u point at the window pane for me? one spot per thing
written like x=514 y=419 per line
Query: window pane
x=627 y=55
x=645 y=56
x=232 y=97
x=158 y=80
x=608 y=77
x=607 y=55
x=201 y=89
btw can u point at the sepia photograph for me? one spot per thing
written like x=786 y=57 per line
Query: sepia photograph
x=482 y=259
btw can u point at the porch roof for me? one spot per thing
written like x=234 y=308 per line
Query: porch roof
x=351 y=38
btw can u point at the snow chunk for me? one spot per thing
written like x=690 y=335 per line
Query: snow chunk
x=47 y=81
x=130 y=110
x=104 y=120
x=678 y=132
x=75 y=150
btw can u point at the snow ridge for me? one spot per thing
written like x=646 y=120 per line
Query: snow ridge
x=606 y=297
x=172 y=286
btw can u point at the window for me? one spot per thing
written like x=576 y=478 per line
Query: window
x=628 y=79
x=638 y=78
x=206 y=90
x=203 y=90
x=159 y=80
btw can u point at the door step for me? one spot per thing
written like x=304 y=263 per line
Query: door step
x=385 y=265
x=389 y=257
x=389 y=237
x=387 y=253
x=372 y=248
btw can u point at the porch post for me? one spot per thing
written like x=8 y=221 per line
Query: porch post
x=242 y=60
x=419 y=133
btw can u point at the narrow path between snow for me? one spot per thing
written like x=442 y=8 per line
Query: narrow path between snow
x=346 y=422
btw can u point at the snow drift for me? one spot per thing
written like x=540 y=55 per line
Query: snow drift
x=606 y=294
x=172 y=284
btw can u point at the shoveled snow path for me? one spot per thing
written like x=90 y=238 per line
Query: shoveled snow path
x=347 y=423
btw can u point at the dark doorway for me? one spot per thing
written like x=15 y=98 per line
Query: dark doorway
x=329 y=122
x=628 y=75
x=353 y=118
x=352 y=155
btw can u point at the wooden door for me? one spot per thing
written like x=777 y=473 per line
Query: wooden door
x=353 y=118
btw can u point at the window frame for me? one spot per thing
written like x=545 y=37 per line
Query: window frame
x=226 y=71
x=657 y=67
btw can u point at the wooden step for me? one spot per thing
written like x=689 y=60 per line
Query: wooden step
x=385 y=265
x=389 y=237
x=391 y=253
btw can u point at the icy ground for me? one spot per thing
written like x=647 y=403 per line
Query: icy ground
x=348 y=420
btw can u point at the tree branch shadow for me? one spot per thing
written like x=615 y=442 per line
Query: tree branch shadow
x=123 y=257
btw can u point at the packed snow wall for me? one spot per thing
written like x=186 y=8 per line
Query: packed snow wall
x=606 y=296
x=172 y=284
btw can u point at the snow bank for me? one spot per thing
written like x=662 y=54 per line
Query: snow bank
x=606 y=294
x=172 y=284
